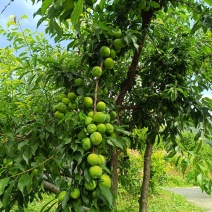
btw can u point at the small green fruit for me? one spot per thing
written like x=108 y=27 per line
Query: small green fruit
x=59 y=97
x=109 y=128
x=117 y=34
x=105 y=51
x=88 y=102
x=118 y=43
x=58 y=115
x=75 y=193
x=105 y=180
x=90 y=186
x=112 y=54
x=108 y=63
x=86 y=143
x=95 y=172
x=97 y=71
x=88 y=120
x=113 y=114
x=78 y=82
x=99 y=117
x=102 y=159
x=101 y=106
x=72 y=96
x=61 y=107
x=96 y=138
x=93 y=159
x=66 y=101
x=101 y=128
x=61 y=196
x=91 y=128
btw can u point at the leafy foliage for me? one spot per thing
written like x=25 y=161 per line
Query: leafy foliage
x=161 y=68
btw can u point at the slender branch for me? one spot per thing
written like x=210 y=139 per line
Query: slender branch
x=146 y=16
x=6 y=7
x=28 y=170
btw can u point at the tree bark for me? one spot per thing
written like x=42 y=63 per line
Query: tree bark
x=143 y=201
x=115 y=155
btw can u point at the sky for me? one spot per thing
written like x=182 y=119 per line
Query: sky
x=25 y=7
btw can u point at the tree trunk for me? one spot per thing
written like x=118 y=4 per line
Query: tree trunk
x=115 y=155
x=143 y=201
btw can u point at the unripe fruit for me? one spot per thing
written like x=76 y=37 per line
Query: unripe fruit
x=78 y=82
x=118 y=43
x=35 y=172
x=117 y=34
x=113 y=114
x=112 y=54
x=96 y=138
x=75 y=193
x=66 y=101
x=109 y=128
x=95 y=172
x=105 y=180
x=60 y=97
x=93 y=159
x=101 y=128
x=88 y=120
x=105 y=51
x=102 y=159
x=101 y=106
x=86 y=143
x=54 y=108
x=99 y=117
x=94 y=194
x=58 y=115
x=61 y=107
x=91 y=128
x=90 y=114
x=61 y=196
x=105 y=90
x=72 y=106
x=107 y=117
x=108 y=63
x=72 y=96
x=90 y=186
x=97 y=71
x=88 y=102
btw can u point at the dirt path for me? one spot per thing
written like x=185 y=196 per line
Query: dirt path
x=195 y=196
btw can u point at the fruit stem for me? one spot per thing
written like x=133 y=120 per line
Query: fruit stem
x=96 y=95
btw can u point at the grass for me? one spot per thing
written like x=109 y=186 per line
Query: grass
x=164 y=201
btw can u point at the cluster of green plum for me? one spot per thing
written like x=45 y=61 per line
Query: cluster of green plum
x=109 y=54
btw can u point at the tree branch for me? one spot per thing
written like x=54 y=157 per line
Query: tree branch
x=51 y=187
x=146 y=19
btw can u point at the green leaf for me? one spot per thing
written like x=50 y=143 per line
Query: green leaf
x=6 y=197
x=106 y=192
x=117 y=143
x=102 y=4
x=24 y=180
x=47 y=204
x=196 y=26
x=78 y=9
x=45 y=5
x=208 y=2
x=197 y=136
x=153 y=4
x=3 y=184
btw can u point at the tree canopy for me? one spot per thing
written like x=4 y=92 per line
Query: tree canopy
x=153 y=76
